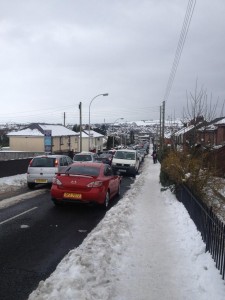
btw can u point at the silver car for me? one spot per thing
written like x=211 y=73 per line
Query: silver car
x=43 y=168
x=85 y=156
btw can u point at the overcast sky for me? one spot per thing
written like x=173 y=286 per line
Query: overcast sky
x=57 y=53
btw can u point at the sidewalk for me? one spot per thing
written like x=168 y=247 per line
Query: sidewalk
x=146 y=248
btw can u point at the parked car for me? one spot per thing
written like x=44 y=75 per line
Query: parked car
x=85 y=182
x=105 y=158
x=126 y=161
x=43 y=168
x=85 y=156
x=141 y=155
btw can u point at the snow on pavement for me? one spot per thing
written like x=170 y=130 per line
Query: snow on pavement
x=165 y=258
x=146 y=248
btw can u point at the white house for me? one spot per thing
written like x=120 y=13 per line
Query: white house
x=52 y=138
x=96 y=141
x=44 y=138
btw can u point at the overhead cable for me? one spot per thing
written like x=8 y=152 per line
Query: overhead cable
x=180 y=46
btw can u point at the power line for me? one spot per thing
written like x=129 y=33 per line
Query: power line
x=180 y=46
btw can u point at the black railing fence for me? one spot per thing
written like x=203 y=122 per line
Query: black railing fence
x=209 y=225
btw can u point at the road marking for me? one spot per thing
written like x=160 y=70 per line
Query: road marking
x=16 y=199
x=23 y=213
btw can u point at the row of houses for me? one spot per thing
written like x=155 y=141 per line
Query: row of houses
x=53 y=138
x=205 y=135
x=199 y=132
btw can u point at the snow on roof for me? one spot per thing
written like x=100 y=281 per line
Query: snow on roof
x=220 y=122
x=154 y=122
x=84 y=134
x=26 y=132
x=183 y=130
x=93 y=133
x=210 y=127
x=57 y=130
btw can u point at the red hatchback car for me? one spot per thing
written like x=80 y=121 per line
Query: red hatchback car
x=85 y=182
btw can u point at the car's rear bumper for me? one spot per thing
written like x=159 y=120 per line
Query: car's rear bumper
x=95 y=196
x=124 y=170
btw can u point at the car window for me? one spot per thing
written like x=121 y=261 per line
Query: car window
x=69 y=160
x=81 y=157
x=119 y=155
x=83 y=170
x=125 y=155
x=63 y=161
x=105 y=155
x=43 y=162
x=130 y=156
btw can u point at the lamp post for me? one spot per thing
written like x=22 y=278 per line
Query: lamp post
x=89 y=126
x=113 y=128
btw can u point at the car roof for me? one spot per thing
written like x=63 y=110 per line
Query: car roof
x=88 y=163
x=127 y=150
x=83 y=152
x=50 y=155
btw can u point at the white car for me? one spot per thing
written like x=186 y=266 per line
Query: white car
x=43 y=168
x=126 y=161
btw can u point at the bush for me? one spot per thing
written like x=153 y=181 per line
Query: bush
x=192 y=168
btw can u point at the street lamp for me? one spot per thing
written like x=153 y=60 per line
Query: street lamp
x=89 y=126
x=113 y=128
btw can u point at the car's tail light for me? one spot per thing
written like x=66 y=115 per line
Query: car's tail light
x=56 y=181
x=95 y=184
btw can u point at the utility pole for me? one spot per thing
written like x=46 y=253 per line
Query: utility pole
x=160 y=128
x=163 y=122
x=80 y=108
x=64 y=119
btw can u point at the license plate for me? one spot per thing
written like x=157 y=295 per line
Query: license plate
x=41 y=180
x=72 y=196
x=122 y=170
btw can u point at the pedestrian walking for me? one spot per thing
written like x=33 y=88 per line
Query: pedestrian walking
x=154 y=156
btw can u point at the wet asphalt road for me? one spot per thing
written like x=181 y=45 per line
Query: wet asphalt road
x=35 y=236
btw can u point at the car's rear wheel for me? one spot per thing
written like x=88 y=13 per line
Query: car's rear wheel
x=31 y=185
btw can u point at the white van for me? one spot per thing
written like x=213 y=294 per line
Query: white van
x=126 y=162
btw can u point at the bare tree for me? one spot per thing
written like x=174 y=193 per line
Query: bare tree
x=200 y=105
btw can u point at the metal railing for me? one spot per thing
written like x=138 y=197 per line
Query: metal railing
x=211 y=228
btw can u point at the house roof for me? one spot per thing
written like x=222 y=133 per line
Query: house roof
x=220 y=122
x=184 y=130
x=213 y=125
x=93 y=133
x=57 y=130
x=38 y=130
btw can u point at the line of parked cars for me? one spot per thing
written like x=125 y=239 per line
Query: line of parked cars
x=87 y=178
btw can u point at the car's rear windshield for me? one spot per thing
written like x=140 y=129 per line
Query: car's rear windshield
x=83 y=170
x=105 y=155
x=81 y=157
x=43 y=162
x=125 y=155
